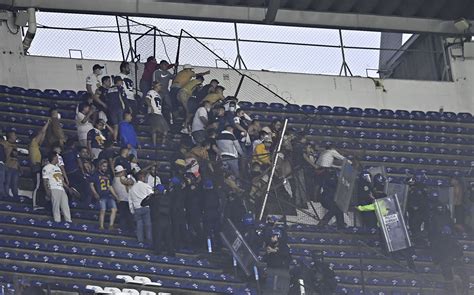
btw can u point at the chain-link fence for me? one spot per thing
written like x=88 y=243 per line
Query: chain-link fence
x=246 y=46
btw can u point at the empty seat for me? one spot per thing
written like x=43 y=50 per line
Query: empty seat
x=292 y=108
x=339 y=110
x=309 y=109
x=276 y=106
x=130 y=291
x=402 y=114
x=435 y=116
x=418 y=115
x=324 y=110
x=370 y=112
x=384 y=113
x=260 y=106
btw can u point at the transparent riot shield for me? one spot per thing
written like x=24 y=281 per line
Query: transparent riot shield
x=399 y=189
x=345 y=186
x=392 y=223
x=241 y=251
x=446 y=196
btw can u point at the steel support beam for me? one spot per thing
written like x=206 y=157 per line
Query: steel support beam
x=272 y=10
x=241 y=14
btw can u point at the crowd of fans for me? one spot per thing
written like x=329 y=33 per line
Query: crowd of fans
x=220 y=166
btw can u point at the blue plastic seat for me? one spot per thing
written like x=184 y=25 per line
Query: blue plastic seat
x=51 y=93
x=68 y=94
x=276 y=107
x=402 y=114
x=261 y=106
x=245 y=105
x=308 y=109
x=5 y=89
x=448 y=116
x=292 y=108
x=370 y=112
x=339 y=110
x=464 y=117
x=435 y=116
x=384 y=113
x=418 y=115
x=324 y=110
x=357 y=112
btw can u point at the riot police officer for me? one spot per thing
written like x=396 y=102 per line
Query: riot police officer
x=160 y=205
x=178 y=212
x=328 y=194
x=364 y=197
x=194 y=202
x=211 y=213
x=417 y=205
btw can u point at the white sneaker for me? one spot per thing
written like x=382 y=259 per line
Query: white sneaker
x=184 y=131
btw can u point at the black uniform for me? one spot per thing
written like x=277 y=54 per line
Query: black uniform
x=364 y=193
x=444 y=246
x=178 y=216
x=417 y=208
x=329 y=186
x=194 y=202
x=211 y=216
x=160 y=207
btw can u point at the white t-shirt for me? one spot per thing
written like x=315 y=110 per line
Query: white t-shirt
x=128 y=87
x=138 y=192
x=82 y=128
x=54 y=176
x=155 y=99
x=150 y=180
x=120 y=189
x=94 y=81
x=197 y=123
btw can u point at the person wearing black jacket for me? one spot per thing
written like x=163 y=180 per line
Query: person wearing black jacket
x=194 y=202
x=417 y=205
x=211 y=214
x=178 y=212
x=160 y=207
x=328 y=201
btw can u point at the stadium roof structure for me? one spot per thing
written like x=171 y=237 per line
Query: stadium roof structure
x=435 y=16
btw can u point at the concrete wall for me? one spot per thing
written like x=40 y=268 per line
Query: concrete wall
x=12 y=60
x=457 y=96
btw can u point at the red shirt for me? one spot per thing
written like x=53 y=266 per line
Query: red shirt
x=150 y=68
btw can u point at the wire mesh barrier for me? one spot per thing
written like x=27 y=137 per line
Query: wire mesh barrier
x=244 y=46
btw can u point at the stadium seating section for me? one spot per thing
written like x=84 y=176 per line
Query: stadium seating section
x=70 y=256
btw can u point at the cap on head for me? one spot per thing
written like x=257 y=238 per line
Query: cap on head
x=97 y=67
x=119 y=168
x=267 y=130
x=214 y=81
x=267 y=139
x=187 y=67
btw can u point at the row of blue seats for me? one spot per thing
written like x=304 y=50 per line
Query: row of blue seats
x=52 y=271
x=74 y=231
x=392 y=136
x=276 y=107
x=92 y=252
x=68 y=112
x=357 y=112
x=308 y=228
x=418 y=161
x=47 y=93
x=172 y=146
x=96 y=262
x=402 y=148
x=370 y=280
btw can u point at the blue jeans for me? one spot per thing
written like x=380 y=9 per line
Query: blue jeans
x=2 y=180
x=11 y=181
x=142 y=219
